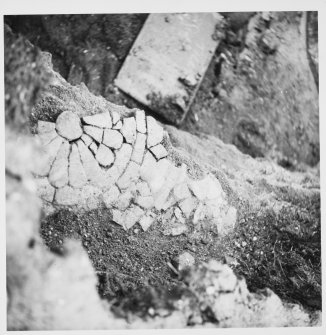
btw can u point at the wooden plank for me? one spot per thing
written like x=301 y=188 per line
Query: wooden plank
x=168 y=61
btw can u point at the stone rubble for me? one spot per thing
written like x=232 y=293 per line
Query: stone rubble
x=128 y=171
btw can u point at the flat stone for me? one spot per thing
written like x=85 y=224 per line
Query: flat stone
x=104 y=155
x=228 y=221
x=155 y=132
x=128 y=129
x=146 y=221
x=178 y=214
x=173 y=175
x=87 y=139
x=93 y=148
x=143 y=189
x=207 y=188
x=145 y=202
x=118 y=125
x=140 y=121
x=123 y=201
x=175 y=229
x=153 y=172
x=115 y=117
x=91 y=197
x=122 y=157
x=77 y=175
x=185 y=260
x=45 y=127
x=44 y=190
x=127 y=218
x=132 y=215
x=111 y=196
x=67 y=196
x=93 y=171
x=102 y=120
x=112 y=138
x=94 y=132
x=47 y=137
x=139 y=148
x=58 y=176
x=181 y=191
x=118 y=217
x=200 y=213
x=68 y=126
x=48 y=155
x=187 y=206
x=130 y=175
x=159 y=151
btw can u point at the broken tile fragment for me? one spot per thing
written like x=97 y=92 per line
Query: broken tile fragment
x=132 y=215
x=94 y=132
x=77 y=175
x=67 y=196
x=155 y=132
x=112 y=138
x=139 y=148
x=58 y=176
x=68 y=126
x=128 y=129
x=159 y=151
x=104 y=155
x=140 y=121
x=44 y=189
x=45 y=127
x=102 y=120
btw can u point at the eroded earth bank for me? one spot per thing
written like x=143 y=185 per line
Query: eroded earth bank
x=115 y=220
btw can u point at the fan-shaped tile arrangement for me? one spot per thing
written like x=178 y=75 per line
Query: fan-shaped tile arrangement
x=122 y=164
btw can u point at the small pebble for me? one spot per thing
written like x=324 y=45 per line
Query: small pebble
x=244 y=243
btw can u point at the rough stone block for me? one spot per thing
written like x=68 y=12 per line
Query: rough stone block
x=122 y=157
x=87 y=139
x=146 y=221
x=207 y=188
x=47 y=137
x=187 y=206
x=93 y=148
x=115 y=117
x=145 y=202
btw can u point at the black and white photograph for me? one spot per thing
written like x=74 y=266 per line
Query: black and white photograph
x=162 y=169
